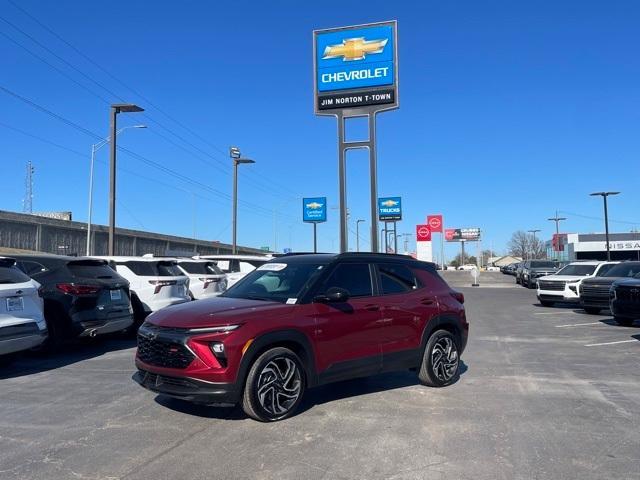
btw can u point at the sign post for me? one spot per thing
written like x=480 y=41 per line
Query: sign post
x=356 y=75
x=314 y=210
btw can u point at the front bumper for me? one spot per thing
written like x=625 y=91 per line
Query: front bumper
x=555 y=296
x=596 y=301
x=625 y=309
x=189 y=389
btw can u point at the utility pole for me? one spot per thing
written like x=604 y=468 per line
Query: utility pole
x=27 y=203
x=557 y=219
x=534 y=243
x=604 y=196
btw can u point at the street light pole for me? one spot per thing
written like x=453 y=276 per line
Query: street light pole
x=234 y=153
x=533 y=232
x=94 y=148
x=116 y=108
x=604 y=196
x=557 y=219
x=358 y=234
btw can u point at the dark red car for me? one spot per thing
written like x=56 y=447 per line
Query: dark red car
x=300 y=321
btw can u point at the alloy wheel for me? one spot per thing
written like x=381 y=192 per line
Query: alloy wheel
x=279 y=386
x=444 y=359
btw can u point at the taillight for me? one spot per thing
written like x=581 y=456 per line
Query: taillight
x=161 y=283
x=208 y=281
x=75 y=289
x=459 y=296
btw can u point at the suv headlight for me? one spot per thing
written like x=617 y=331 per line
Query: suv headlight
x=221 y=329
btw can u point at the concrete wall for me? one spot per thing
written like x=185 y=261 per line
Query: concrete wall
x=32 y=233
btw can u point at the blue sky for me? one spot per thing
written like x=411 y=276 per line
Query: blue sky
x=509 y=111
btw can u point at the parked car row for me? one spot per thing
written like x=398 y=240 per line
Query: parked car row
x=595 y=286
x=46 y=300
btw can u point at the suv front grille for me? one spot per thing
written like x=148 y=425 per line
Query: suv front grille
x=547 y=285
x=163 y=353
x=595 y=290
x=628 y=294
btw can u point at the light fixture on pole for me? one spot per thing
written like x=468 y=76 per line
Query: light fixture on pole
x=358 y=234
x=94 y=148
x=534 y=243
x=557 y=219
x=234 y=153
x=116 y=109
x=604 y=196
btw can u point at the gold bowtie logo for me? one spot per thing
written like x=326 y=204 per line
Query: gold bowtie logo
x=354 y=49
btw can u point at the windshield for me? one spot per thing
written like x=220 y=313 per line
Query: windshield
x=578 y=270
x=277 y=282
x=626 y=270
x=543 y=265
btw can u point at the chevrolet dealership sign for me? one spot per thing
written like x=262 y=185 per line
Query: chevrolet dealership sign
x=356 y=67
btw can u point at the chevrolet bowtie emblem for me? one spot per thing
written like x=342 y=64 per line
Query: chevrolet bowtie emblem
x=314 y=205
x=354 y=49
x=389 y=203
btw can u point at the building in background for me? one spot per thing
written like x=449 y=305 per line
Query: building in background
x=592 y=246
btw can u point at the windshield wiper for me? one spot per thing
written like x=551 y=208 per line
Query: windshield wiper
x=253 y=297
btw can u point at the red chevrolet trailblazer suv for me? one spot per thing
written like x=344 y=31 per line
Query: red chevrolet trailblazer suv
x=300 y=321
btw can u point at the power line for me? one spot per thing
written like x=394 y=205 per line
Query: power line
x=601 y=219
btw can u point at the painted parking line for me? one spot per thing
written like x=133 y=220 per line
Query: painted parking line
x=611 y=343
x=555 y=313
x=579 y=324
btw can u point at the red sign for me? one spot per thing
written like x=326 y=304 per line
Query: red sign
x=423 y=233
x=435 y=223
x=558 y=240
x=449 y=233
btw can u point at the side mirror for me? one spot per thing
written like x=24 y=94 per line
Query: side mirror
x=333 y=295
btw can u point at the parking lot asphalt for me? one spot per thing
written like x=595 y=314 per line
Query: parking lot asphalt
x=545 y=393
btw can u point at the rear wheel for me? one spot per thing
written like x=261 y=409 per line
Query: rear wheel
x=275 y=385
x=440 y=361
x=55 y=319
x=592 y=310
x=625 y=322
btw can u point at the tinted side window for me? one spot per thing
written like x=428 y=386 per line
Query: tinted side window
x=168 y=269
x=142 y=269
x=31 y=268
x=353 y=277
x=395 y=278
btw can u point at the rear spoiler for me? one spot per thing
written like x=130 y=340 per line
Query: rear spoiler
x=7 y=262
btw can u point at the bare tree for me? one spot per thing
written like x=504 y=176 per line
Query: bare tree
x=525 y=245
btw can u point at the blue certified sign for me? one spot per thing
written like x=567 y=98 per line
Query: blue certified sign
x=389 y=209
x=314 y=209
x=360 y=57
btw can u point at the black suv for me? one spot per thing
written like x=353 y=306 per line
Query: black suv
x=625 y=300
x=594 y=292
x=531 y=270
x=83 y=297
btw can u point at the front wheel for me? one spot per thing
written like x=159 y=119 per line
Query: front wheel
x=625 y=322
x=275 y=385
x=440 y=361
x=546 y=303
x=592 y=310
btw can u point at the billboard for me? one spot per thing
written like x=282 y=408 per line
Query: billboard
x=423 y=233
x=314 y=209
x=390 y=209
x=435 y=223
x=55 y=215
x=460 y=234
x=558 y=241
x=356 y=66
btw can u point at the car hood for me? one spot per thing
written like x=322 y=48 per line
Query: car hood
x=542 y=270
x=215 y=312
x=600 y=280
x=563 y=278
x=629 y=282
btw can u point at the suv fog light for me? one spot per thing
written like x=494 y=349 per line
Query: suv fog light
x=218 y=351
x=217 y=347
x=573 y=288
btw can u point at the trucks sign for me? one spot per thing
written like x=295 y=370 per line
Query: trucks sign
x=390 y=209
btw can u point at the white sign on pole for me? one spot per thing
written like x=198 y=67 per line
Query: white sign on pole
x=424 y=251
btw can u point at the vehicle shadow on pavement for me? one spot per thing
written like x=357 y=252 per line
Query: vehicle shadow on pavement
x=314 y=396
x=35 y=362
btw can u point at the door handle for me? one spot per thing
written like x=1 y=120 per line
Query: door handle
x=427 y=301
x=372 y=308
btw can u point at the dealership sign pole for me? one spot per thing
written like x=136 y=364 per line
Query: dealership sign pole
x=314 y=210
x=356 y=75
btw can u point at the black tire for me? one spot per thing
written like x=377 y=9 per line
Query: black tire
x=546 y=303
x=440 y=361
x=7 y=359
x=592 y=310
x=625 y=322
x=517 y=280
x=139 y=314
x=275 y=385
x=55 y=318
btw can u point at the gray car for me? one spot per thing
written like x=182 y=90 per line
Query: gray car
x=529 y=272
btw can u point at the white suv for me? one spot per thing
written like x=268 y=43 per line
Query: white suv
x=563 y=286
x=236 y=266
x=22 y=324
x=205 y=278
x=155 y=283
